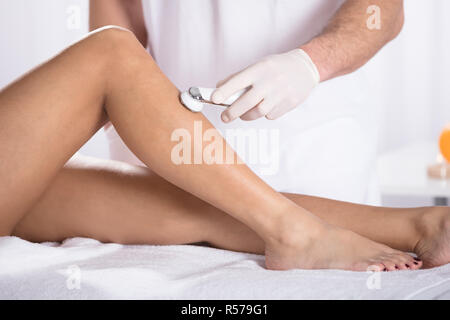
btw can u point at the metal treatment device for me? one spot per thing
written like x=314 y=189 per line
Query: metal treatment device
x=196 y=98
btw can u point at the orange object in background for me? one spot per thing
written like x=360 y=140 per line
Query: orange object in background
x=441 y=170
x=444 y=143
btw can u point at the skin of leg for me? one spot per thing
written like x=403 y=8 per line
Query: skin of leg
x=44 y=119
x=424 y=231
x=52 y=111
x=116 y=202
x=47 y=116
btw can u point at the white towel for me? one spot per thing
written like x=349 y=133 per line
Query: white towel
x=87 y=269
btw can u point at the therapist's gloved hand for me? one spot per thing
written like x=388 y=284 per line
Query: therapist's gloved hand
x=278 y=84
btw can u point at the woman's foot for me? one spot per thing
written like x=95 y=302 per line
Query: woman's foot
x=315 y=245
x=433 y=247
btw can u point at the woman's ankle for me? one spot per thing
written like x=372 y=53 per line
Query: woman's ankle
x=293 y=226
x=428 y=221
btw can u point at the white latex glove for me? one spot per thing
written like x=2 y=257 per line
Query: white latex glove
x=277 y=84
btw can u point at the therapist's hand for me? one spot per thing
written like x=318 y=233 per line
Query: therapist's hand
x=278 y=84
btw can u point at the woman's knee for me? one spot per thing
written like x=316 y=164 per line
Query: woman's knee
x=109 y=53
x=118 y=45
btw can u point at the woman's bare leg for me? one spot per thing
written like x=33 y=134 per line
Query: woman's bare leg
x=424 y=231
x=116 y=202
x=46 y=116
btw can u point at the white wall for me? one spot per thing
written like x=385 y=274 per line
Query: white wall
x=408 y=78
x=32 y=32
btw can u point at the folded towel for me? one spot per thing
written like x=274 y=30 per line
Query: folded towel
x=87 y=269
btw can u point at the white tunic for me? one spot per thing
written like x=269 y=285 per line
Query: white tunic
x=326 y=146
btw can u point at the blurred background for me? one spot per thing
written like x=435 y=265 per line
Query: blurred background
x=408 y=78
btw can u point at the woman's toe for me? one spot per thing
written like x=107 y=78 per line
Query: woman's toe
x=404 y=261
x=418 y=262
x=390 y=265
x=412 y=263
x=415 y=264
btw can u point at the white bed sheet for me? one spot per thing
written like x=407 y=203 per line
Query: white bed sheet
x=112 y=271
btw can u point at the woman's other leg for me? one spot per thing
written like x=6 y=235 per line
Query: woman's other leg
x=116 y=202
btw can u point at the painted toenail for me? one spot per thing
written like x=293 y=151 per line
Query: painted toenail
x=417 y=259
x=415 y=263
x=407 y=265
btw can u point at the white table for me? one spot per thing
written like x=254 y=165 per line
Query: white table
x=404 y=173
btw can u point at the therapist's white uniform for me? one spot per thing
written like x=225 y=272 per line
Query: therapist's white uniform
x=327 y=145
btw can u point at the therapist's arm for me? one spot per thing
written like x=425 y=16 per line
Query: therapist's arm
x=347 y=43
x=280 y=83
x=124 y=13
